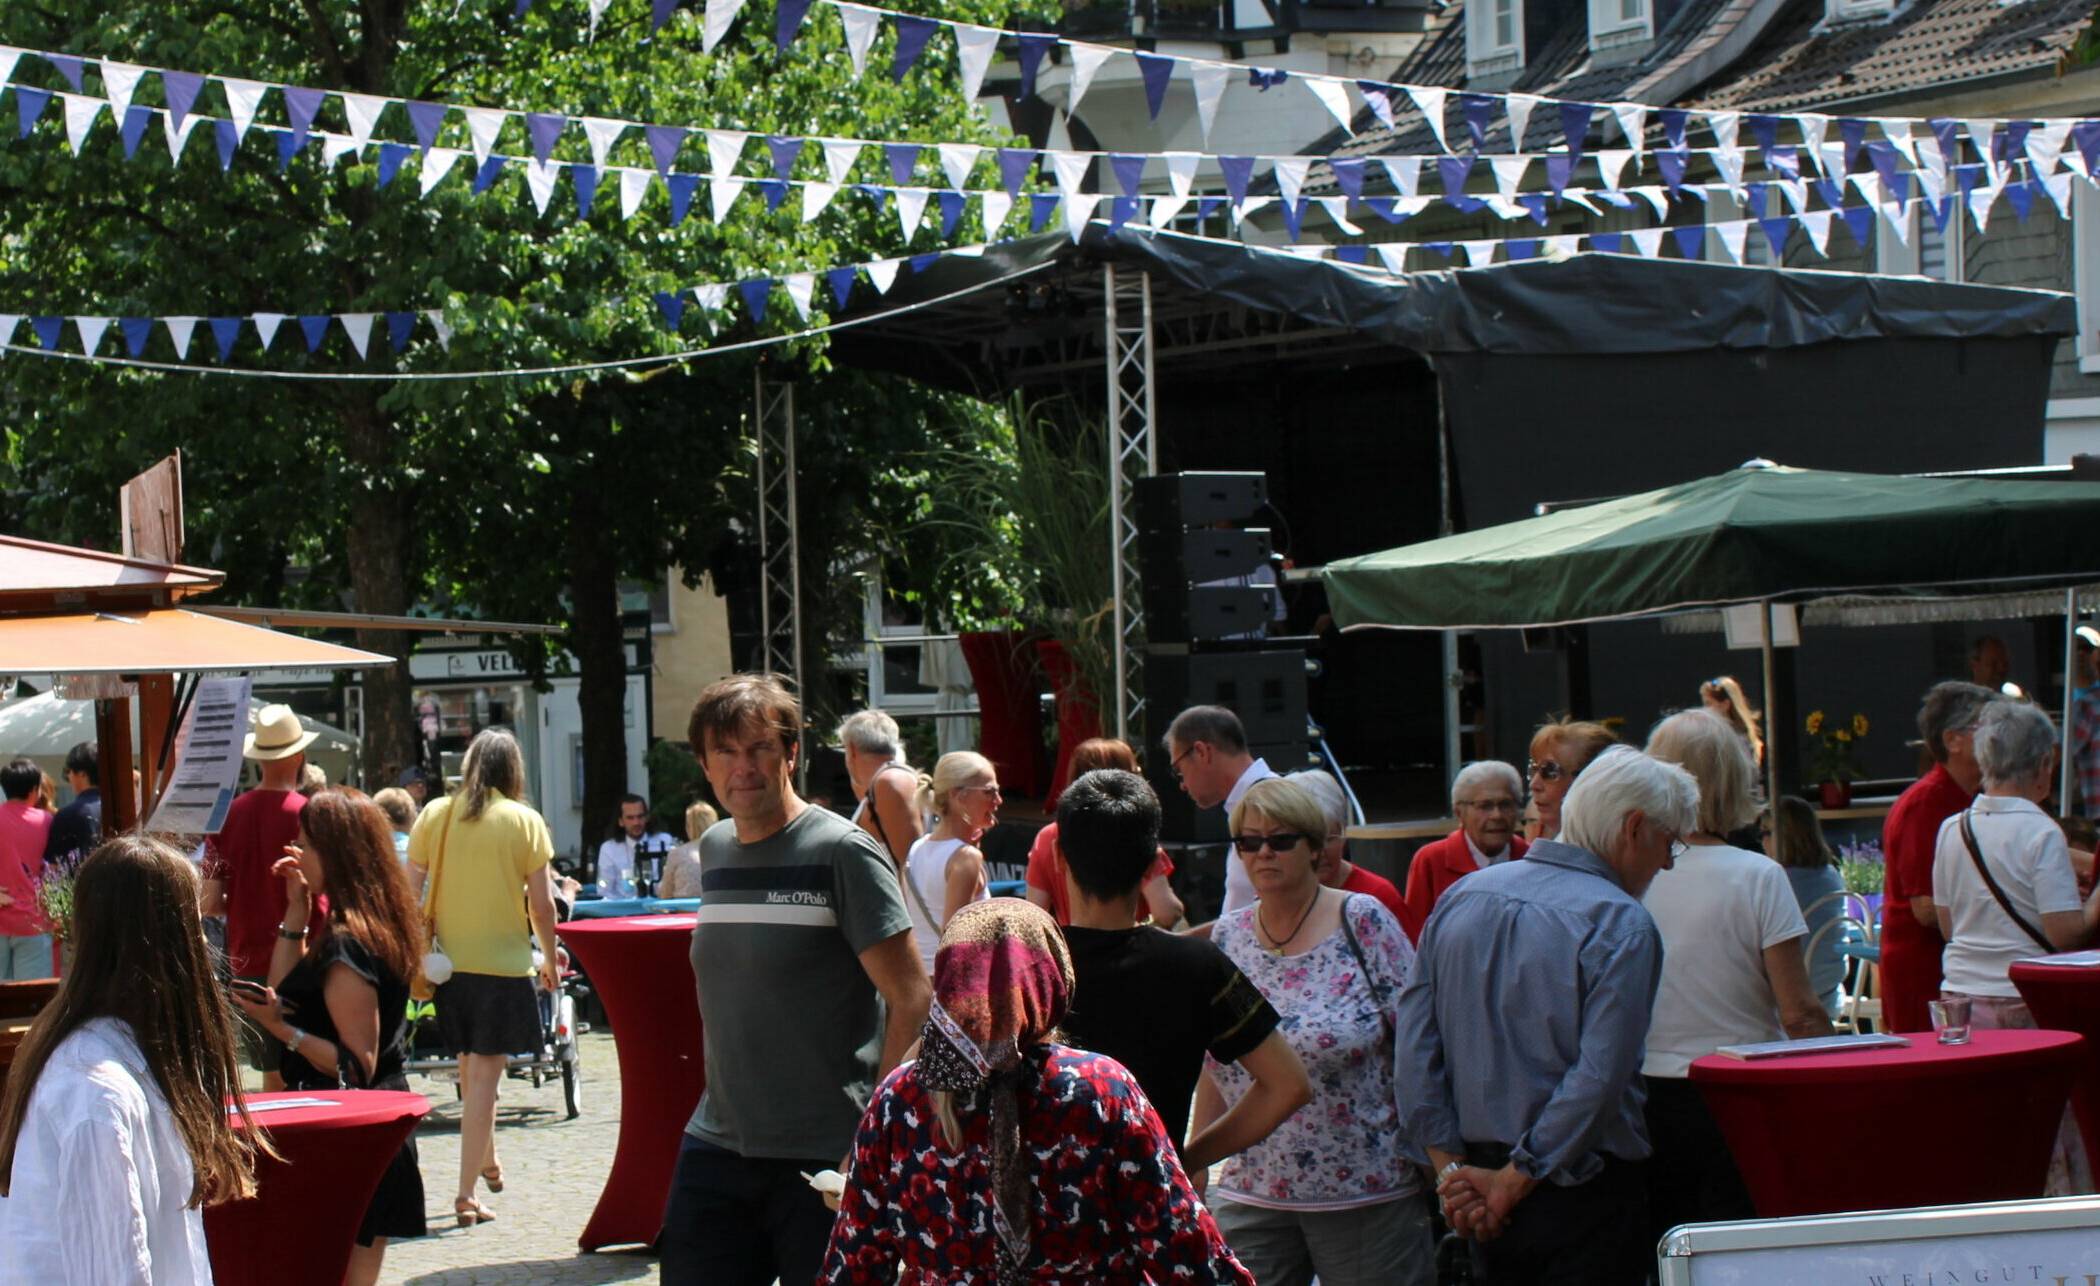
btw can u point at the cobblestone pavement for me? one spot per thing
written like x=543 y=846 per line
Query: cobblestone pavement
x=553 y=1170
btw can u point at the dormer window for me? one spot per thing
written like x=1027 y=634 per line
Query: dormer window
x=1836 y=12
x=1495 y=36
x=1614 y=23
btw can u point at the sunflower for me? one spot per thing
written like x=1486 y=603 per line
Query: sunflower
x=1859 y=725
x=1815 y=722
x=1842 y=736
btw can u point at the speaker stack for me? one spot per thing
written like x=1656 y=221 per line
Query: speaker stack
x=1206 y=631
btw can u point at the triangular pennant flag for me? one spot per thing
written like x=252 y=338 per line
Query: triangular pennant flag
x=1405 y=172
x=711 y=298
x=841 y=282
x=1813 y=129
x=1379 y=99
x=1611 y=165
x=266 y=325
x=2021 y=195
x=801 y=286
x=1041 y=205
x=1980 y=202
x=1334 y=96
x=284 y=139
x=81 y=111
x=1337 y=209
x=1238 y=172
x=1294 y=224
x=69 y=67
x=911 y=208
x=1817 y=224
x=1290 y=177
x=1733 y=235
x=426 y=119
x=363 y=111
x=1393 y=254
x=585 y=180
x=133 y=128
x=1980 y=132
x=1208 y=80
x=957 y=161
x=179 y=331
x=390 y=157
x=1070 y=169
x=301 y=105
x=912 y=34
x=721 y=195
x=1086 y=60
x=756 y=295
x=1608 y=243
x=225 y=332
x=600 y=133
x=664 y=143
x=1859 y=221
x=2058 y=186
x=784 y=151
x=787 y=22
x=1946 y=132
x=1852 y=133
x=1729 y=161
x=996 y=206
x=1560 y=167
x=860 y=24
x=436 y=165
x=181 y=89
x=440 y=326
x=1165 y=209
x=1575 y=124
x=883 y=273
x=1509 y=173
x=120 y=80
x=1079 y=208
x=540 y=177
x=1657 y=202
x=974 y=47
x=1725 y=126
x=1155 y=70
x=242 y=99
x=136 y=331
x=1476 y=110
x=671 y=307
x=2045 y=144
x=358 y=326
x=1453 y=171
x=715 y=22
x=1519 y=107
x=903 y=158
x=1032 y=48
x=1835 y=159
x=91 y=331
x=816 y=196
x=1900 y=137
x=1633 y=123
x=1690 y=239
x=839 y=157
x=1674 y=122
x=334 y=147
x=1349 y=175
x=1430 y=102
x=1128 y=169
x=544 y=129
x=634 y=185
x=399 y=326
x=486 y=174
x=1764 y=130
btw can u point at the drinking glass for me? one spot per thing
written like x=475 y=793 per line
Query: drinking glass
x=1950 y=1018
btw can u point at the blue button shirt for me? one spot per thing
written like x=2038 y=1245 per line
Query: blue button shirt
x=1526 y=1017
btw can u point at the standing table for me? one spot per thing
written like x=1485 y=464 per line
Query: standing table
x=303 y=1219
x=2067 y=998
x=1812 y=1135
x=643 y=974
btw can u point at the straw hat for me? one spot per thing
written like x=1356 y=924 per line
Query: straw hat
x=278 y=735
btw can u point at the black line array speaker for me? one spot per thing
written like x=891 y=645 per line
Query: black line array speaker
x=1183 y=549
x=1265 y=689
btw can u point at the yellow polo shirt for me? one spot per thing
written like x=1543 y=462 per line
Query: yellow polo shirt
x=480 y=902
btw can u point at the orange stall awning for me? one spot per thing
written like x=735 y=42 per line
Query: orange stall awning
x=171 y=640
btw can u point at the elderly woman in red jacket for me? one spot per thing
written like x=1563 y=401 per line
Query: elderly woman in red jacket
x=1487 y=796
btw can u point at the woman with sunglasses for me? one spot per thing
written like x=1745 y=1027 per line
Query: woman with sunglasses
x=1560 y=750
x=944 y=871
x=1328 y=1192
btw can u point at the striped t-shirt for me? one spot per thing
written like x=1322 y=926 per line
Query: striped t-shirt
x=791 y=1024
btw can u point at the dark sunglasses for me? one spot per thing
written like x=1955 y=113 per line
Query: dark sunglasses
x=1280 y=842
x=1548 y=770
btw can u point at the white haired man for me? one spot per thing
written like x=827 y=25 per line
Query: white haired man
x=1535 y=1129
x=1487 y=797
x=887 y=787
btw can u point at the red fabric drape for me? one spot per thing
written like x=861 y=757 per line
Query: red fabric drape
x=1010 y=720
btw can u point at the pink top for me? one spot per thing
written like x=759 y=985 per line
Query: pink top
x=23 y=830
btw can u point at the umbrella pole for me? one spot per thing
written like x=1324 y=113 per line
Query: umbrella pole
x=1772 y=737
x=2063 y=762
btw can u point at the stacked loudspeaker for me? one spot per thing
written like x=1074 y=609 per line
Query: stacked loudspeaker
x=1206 y=631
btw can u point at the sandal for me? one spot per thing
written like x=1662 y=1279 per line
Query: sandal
x=493 y=1176
x=471 y=1212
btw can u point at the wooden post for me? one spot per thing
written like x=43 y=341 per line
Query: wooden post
x=156 y=709
x=113 y=736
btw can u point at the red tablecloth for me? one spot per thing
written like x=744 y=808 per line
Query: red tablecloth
x=2068 y=999
x=303 y=1219
x=1978 y=1121
x=642 y=972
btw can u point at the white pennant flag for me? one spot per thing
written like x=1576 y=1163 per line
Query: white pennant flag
x=602 y=134
x=1833 y=160
x=634 y=185
x=968 y=252
x=1900 y=136
x=1290 y=176
x=1181 y=171
x=725 y=147
x=957 y=160
x=91 y=331
x=8 y=321
x=1576 y=196
x=1086 y=60
x=1334 y=96
x=715 y=25
x=1431 y=104
x=1865 y=185
x=1337 y=208
x=81 y=111
x=1896 y=216
x=1732 y=234
x=1934 y=182
x=711 y=298
x=721 y=195
x=9 y=56
x=483 y=125
x=1724 y=126
x=997 y=205
x=266 y=325
x=1813 y=130
x=2059 y=189
x=1795 y=191
x=242 y=98
x=911 y=209
x=363 y=111
x=1509 y=172
x=1165 y=208
x=1070 y=171
x=334 y=147
x=1980 y=203
x=1564 y=246
x=815 y=197
x=1656 y=198
x=1648 y=241
x=1729 y=161
x=358 y=326
x=436 y=165
x=1817 y=224
x=1611 y=165
x=539 y=181
x=178 y=135
x=1633 y=123
x=436 y=318
x=1503 y=208
x=883 y=274
x=179 y=330
x=1393 y=254
x=1208 y=80
x=974 y=47
x=1078 y=209
x=2045 y=143
x=1930 y=161
x=1980 y=132
x=1519 y=107
x=800 y=286
x=119 y=80
x=839 y=157
x=1404 y=171
x=597 y=8
x=1478 y=253
x=860 y=26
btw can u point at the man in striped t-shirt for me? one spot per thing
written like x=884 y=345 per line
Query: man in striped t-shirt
x=810 y=992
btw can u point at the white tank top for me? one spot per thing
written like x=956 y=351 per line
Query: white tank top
x=927 y=870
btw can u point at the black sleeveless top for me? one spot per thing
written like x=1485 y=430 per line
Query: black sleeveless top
x=305 y=1008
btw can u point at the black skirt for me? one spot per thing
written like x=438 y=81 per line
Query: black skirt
x=397 y=1205
x=480 y=1013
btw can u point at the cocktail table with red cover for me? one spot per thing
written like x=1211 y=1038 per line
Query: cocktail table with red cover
x=303 y=1219
x=1810 y=1133
x=643 y=974
x=2067 y=998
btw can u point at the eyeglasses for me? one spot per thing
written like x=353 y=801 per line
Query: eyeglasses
x=1174 y=764
x=1280 y=842
x=992 y=791
x=1491 y=805
x=1545 y=770
x=1678 y=848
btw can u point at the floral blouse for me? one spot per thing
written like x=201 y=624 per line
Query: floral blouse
x=1109 y=1200
x=1343 y=1148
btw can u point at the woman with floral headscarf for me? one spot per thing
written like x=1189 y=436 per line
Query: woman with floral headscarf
x=1002 y=1157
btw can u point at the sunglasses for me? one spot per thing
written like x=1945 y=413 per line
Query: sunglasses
x=1280 y=842
x=1545 y=770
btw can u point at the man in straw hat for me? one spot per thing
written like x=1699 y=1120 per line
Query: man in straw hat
x=260 y=827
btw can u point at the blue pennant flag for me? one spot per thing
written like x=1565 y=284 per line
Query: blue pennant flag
x=903 y=157
x=425 y=118
x=681 y=188
x=29 y=105
x=181 y=88
x=1575 y=123
x=1293 y=217
x=912 y=35
x=223 y=135
x=841 y=281
x=775 y=192
x=390 y=157
x=672 y=306
x=1385 y=207
x=1014 y=164
x=1853 y=133
x=951 y=206
x=1453 y=171
x=1610 y=243
x=490 y=171
x=1129 y=171
x=755 y=295
x=315 y=327
x=1358 y=255
x=585 y=177
x=1948 y=134
x=664 y=142
x=1883 y=156
x=1691 y=240
x=1859 y=220
x=68 y=66
x=47 y=331
x=920 y=263
x=1765 y=129
x=1940 y=210
x=1266 y=78
x=519 y=12
x=1757 y=199
x=1207 y=206
x=1479 y=109
x=134 y=128
x=1466 y=204
x=301 y=104
x=659 y=14
x=1899 y=187
x=1156 y=69
x=2022 y=197
x=1777 y=229
x=136 y=331
x=1121 y=210
x=1041 y=205
x=787 y=22
x=879 y=195
x=1238 y=172
x=225 y=332
x=1671 y=162
x=1032 y=48
x=1967 y=178
x=545 y=130
x=1522 y=248
x=1674 y=120
x=1560 y=167
x=1349 y=175
x=287 y=148
x=1534 y=204
x=399 y=326
x=784 y=151
x=1443 y=248
x=1786 y=161
x=2009 y=144
x=1832 y=192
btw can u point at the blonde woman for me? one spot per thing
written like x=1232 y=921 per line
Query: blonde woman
x=681 y=878
x=944 y=871
x=1724 y=696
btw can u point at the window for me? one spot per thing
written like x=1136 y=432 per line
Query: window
x=1843 y=11
x=1495 y=36
x=1615 y=23
x=1929 y=252
x=2085 y=272
x=1505 y=12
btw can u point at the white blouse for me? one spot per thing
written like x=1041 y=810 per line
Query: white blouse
x=101 y=1177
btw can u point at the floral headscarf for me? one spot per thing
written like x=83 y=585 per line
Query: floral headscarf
x=1001 y=984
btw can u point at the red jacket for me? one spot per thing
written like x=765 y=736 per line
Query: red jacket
x=1437 y=866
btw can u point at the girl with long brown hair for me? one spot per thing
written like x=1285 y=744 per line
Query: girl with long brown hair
x=340 y=1003
x=114 y=1131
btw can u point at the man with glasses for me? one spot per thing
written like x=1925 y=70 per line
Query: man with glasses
x=1207 y=747
x=1535 y=1128
x=1487 y=797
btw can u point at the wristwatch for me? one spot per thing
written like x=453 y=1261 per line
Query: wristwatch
x=292 y=935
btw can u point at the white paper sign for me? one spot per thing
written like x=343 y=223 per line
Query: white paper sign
x=207 y=760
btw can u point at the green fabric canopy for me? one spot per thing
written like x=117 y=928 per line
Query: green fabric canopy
x=1761 y=532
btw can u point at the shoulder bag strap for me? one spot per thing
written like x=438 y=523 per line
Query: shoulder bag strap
x=919 y=898
x=1364 y=966
x=875 y=816
x=437 y=864
x=1983 y=868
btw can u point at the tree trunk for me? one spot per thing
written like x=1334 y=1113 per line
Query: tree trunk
x=596 y=640
x=377 y=543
